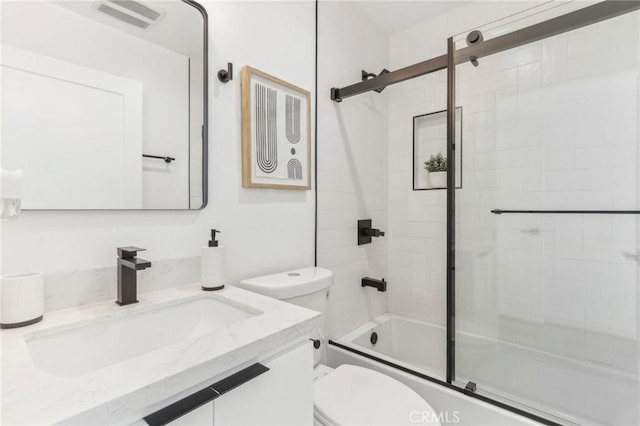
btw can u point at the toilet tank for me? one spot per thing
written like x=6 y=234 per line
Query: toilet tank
x=306 y=287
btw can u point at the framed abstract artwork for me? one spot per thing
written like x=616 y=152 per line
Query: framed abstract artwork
x=276 y=133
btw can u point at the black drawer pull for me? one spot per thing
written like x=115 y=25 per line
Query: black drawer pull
x=241 y=377
x=208 y=394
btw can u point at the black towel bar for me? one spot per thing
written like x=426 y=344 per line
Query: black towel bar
x=499 y=211
x=159 y=157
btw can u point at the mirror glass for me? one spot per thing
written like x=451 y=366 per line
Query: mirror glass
x=103 y=103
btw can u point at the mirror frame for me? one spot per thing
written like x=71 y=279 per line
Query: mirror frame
x=205 y=109
x=205 y=127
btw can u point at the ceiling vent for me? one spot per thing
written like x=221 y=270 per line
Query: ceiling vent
x=132 y=12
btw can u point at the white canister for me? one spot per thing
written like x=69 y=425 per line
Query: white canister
x=21 y=299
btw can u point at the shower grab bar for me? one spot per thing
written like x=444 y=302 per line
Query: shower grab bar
x=160 y=157
x=499 y=211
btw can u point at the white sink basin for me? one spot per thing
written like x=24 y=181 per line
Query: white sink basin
x=85 y=346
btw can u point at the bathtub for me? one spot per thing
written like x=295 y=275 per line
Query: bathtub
x=406 y=342
x=572 y=392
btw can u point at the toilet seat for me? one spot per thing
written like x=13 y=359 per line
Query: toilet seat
x=352 y=395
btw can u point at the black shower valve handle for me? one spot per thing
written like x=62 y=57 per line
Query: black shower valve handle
x=366 y=231
x=373 y=232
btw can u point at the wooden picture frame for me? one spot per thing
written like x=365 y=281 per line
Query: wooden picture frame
x=276 y=133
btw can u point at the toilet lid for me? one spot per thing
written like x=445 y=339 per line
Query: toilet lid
x=352 y=395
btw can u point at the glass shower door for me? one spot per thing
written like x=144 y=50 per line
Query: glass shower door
x=547 y=251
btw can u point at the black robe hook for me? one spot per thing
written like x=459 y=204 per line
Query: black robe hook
x=226 y=76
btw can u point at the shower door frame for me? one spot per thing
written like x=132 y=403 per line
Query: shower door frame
x=570 y=21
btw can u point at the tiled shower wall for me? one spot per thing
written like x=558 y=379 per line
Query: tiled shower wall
x=552 y=125
x=364 y=165
x=352 y=165
x=417 y=219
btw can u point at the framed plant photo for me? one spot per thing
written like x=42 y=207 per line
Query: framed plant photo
x=276 y=133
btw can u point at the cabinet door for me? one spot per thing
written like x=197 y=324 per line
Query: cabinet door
x=281 y=396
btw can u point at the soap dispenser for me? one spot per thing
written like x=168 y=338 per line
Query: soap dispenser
x=212 y=265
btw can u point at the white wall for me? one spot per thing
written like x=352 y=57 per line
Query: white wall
x=264 y=230
x=352 y=166
x=49 y=29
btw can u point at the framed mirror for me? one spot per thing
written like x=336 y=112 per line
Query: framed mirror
x=104 y=103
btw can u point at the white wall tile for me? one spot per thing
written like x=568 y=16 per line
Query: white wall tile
x=352 y=181
x=543 y=129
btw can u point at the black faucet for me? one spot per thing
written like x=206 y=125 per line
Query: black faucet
x=380 y=285
x=128 y=265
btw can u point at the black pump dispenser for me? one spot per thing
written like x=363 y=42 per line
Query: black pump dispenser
x=213 y=242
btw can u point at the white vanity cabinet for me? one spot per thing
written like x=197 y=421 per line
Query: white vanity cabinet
x=277 y=391
x=281 y=396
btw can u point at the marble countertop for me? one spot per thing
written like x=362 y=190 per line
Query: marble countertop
x=125 y=391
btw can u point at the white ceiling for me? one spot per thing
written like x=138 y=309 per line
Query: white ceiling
x=394 y=16
x=179 y=30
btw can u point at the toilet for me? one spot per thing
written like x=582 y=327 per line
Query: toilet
x=348 y=394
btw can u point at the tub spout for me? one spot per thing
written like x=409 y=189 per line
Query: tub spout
x=380 y=285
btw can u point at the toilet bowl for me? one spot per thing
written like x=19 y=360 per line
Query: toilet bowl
x=348 y=394
x=352 y=395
